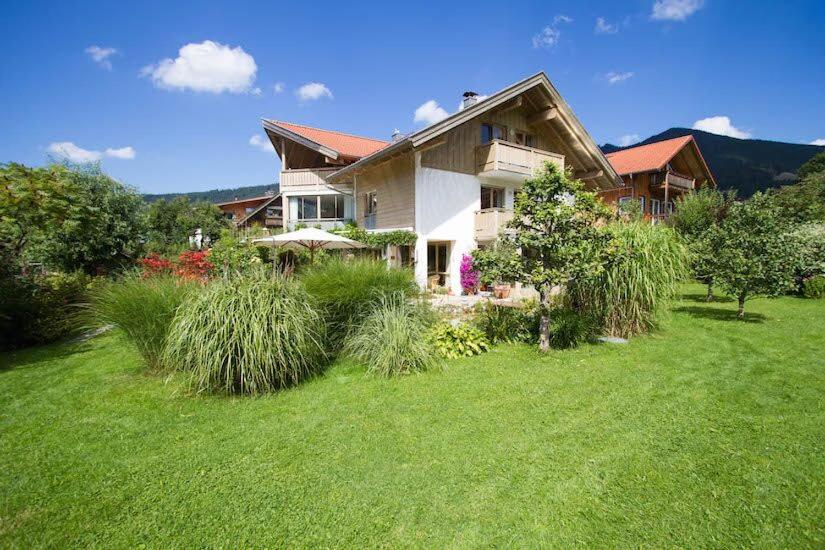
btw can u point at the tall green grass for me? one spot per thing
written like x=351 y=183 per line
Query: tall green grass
x=630 y=296
x=248 y=335
x=393 y=339
x=143 y=308
x=348 y=291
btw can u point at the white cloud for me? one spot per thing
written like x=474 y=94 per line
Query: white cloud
x=122 y=153
x=101 y=56
x=205 y=67
x=603 y=27
x=278 y=87
x=675 y=10
x=312 y=91
x=259 y=142
x=430 y=113
x=613 y=77
x=549 y=35
x=820 y=141
x=628 y=139
x=720 y=125
x=74 y=153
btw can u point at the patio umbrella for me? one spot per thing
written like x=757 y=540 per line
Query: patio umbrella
x=311 y=239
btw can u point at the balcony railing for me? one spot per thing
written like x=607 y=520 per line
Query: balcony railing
x=321 y=223
x=309 y=180
x=505 y=160
x=490 y=222
x=680 y=181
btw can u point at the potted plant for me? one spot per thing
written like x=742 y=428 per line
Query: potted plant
x=469 y=275
x=495 y=265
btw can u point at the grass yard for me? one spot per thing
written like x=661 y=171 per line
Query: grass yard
x=709 y=433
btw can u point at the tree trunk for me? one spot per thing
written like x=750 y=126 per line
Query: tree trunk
x=741 y=314
x=710 y=292
x=544 y=323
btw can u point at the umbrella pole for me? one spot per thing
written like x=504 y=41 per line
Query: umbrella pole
x=311 y=255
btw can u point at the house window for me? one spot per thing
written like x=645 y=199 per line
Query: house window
x=492 y=197
x=655 y=207
x=331 y=206
x=317 y=207
x=437 y=268
x=405 y=255
x=489 y=132
x=273 y=212
x=523 y=138
x=308 y=208
x=370 y=203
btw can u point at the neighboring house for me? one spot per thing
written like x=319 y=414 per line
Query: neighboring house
x=656 y=173
x=265 y=211
x=452 y=183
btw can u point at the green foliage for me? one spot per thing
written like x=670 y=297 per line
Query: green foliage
x=499 y=263
x=39 y=309
x=169 y=223
x=392 y=340
x=755 y=254
x=348 y=291
x=556 y=226
x=630 y=210
x=814 y=287
x=814 y=165
x=232 y=256
x=249 y=335
x=501 y=323
x=143 y=308
x=803 y=202
x=810 y=240
x=397 y=237
x=462 y=340
x=629 y=296
x=569 y=328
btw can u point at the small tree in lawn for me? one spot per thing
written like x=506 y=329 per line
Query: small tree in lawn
x=556 y=227
x=755 y=252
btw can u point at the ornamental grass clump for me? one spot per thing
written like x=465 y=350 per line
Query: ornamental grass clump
x=348 y=291
x=248 y=335
x=392 y=340
x=143 y=308
x=629 y=296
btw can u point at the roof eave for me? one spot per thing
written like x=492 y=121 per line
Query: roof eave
x=301 y=140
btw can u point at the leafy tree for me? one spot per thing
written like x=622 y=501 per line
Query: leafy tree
x=171 y=222
x=814 y=165
x=755 y=252
x=803 y=202
x=694 y=216
x=556 y=227
x=102 y=228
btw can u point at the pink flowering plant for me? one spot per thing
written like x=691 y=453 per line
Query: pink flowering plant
x=469 y=275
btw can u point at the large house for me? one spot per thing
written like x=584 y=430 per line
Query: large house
x=452 y=183
x=656 y=173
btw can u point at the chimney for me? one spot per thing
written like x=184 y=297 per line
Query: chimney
x=470 y=99
x=396 y=135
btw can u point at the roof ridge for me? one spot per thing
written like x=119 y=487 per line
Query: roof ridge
x=689 y=137
x=325 y=130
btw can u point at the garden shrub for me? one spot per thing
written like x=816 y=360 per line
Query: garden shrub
x=630 y=294
x=231 y=256
x=814 y=287
x=392 y=340
x=38 y=309
x=248 y=335
x=508 y=323
x=569 y=328
x=810 y=238
x=460 y=340
x=348 y=291
x=143 y=308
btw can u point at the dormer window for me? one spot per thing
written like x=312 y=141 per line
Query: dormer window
x=489 y=132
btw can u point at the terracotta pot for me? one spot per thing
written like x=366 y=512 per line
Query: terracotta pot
x=501 y=291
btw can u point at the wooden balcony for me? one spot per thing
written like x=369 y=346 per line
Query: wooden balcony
x=510 y=161
x=490 y=222
x=310 y=180
x=677 y=180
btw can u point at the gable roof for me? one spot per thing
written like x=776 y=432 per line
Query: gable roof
x=248 y=199
x=328 y=142
x=653 y=156
x=258 y=209
x=578 y=135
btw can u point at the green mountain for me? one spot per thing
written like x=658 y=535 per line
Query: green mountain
x=747 y=165
x=218 y=195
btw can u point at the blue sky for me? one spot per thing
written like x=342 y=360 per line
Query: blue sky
x=166 y=119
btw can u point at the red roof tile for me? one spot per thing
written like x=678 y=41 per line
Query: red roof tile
x=645 y=158
x=347 y=145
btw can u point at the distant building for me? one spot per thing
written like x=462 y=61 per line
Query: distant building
x=265 y=211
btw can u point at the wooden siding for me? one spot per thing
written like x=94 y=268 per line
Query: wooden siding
x=394 y=185
x=457 y=154
x=309 y=180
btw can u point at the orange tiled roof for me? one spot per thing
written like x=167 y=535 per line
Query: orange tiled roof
x=645 y=158
x=347 y=145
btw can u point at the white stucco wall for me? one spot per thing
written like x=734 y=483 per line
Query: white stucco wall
x=445 y=207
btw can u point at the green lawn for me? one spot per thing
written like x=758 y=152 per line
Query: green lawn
x=709 y=433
